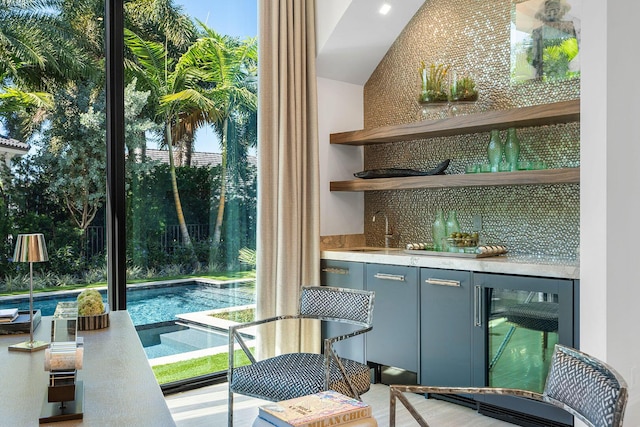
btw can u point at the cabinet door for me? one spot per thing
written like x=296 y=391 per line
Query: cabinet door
x=519 y=319
x=344 y=274
x=394 y=340
x=446 y=328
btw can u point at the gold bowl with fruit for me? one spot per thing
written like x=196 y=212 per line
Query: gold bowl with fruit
x=462 y=240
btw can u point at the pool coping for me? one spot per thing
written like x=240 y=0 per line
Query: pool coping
x=205 y=319
x=172 y=282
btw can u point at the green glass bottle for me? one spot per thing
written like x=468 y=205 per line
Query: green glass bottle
x=438 y=230
x=494 y=150
x=452 y=225
x=512 y=149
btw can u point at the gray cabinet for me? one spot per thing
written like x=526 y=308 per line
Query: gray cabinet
x=446 y=327
x=394 y=340
x=344 y=274
x=462 y=328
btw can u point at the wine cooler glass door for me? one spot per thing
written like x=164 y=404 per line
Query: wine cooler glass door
x=522 y=330
x=518 y=320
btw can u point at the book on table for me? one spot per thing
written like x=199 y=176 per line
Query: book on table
x=8 y=315
x=323 y=409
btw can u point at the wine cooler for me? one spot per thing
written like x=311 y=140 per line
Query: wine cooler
x=517 y=321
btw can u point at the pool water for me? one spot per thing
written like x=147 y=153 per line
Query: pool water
x=152 y=304
x=153 y=311
x=170 y=339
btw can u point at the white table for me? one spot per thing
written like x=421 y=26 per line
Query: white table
x=119 y=386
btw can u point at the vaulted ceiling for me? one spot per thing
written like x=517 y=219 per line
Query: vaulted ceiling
x=352 y=36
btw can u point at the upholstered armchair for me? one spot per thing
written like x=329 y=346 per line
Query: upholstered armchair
x=582 y=385
x=291 y=375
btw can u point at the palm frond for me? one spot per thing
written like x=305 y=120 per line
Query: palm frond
x=13 y=99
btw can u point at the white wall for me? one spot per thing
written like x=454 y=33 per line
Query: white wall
x=340 y=108
x=610 y=185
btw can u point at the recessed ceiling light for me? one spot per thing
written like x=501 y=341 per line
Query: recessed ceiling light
x=385 y=9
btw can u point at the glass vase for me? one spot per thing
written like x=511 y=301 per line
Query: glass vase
x=438 y=230
x=494 y=150
x=452 y=225
x=512 y=149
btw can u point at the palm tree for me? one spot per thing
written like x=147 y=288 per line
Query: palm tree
x=39 y=52
x=37 y=46
x=178 y=92
x=230 y=68
x=27 y=108
x=160 y=21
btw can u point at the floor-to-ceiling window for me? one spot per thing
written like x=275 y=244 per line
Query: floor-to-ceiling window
x=52 y=101
x=190 y=169
x=186 y=173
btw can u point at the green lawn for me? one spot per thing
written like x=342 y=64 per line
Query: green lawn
x=192 y=368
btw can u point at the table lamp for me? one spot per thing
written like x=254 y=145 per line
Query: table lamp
x=30 y=248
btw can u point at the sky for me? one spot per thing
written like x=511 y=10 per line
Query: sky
x=237 y=18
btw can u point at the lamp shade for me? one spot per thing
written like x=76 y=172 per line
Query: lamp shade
x=30 y=248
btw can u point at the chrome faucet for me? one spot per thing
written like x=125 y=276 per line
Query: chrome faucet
x=387 y=234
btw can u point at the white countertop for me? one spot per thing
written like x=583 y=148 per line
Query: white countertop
x=506 y=264
x=119 y=386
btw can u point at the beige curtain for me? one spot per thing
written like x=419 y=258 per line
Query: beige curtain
x=288 y=247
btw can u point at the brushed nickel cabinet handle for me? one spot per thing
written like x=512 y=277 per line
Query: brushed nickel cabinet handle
x=386 y=276
x=443 y=282
x=477 y=306
x=334 y=270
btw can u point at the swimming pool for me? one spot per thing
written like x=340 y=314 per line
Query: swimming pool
x=169 y=339
x=152 y=303
x=153 y=310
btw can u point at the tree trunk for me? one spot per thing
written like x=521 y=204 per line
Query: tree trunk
x=186 y=239
x=223 y=190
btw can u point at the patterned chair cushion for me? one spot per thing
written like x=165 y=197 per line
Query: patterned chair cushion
x=584 y=386
x=326 y=302
x=297 y=374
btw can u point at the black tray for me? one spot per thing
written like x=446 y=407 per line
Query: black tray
x=21 y=324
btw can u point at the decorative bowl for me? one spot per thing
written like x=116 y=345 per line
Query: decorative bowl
x=98 y=321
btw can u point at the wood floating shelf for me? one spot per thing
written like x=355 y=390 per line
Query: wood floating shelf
x=538 y=115
x=533 y=177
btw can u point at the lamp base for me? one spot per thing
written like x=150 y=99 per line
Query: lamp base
x=62 y=411
x=29 y=346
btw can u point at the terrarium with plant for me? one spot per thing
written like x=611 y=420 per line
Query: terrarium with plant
x=462 y=89
x=434 y=82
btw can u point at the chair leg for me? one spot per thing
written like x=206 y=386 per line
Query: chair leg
x=230 y=409
x=392 y=408
x=397 y=393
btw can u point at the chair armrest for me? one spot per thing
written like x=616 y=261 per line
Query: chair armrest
x=234 y=336
x=396 y=392
x=331 y=340
x=467 y=390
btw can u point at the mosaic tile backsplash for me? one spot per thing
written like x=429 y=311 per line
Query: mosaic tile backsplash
x=474 y=37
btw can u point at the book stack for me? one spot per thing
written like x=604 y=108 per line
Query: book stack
x=8 y=315
x=324 y=409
